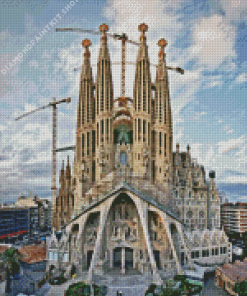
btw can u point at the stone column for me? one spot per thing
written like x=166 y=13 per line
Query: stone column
x=164 y=220
x=82 y=225
x=103 y=219
x=188 y=260
x=123 y=261
x=111 y=258
x=142 y=209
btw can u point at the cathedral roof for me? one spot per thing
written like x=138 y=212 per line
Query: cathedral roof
x=126 y=186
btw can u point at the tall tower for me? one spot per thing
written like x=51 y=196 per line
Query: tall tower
x=104 y=110
x=84 y=167
x=142 y=110
x=162 y=128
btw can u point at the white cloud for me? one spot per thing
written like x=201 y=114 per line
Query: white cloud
x=241 y=78
x=231 y=144
x=228 y=129
x=129 y=14
x=213 y=42
x=213 y=84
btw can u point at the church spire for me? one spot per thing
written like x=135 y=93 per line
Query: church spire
x=104 y=87
x=142 y=110
x=86 y=67
x=104 y=108
x=161 y=69
x=142 y=86
x=85 y=138
x=61 y=180
x=143 y=49
x=162 y=129
x=85 y=108
x=104 y=52
x=68 y=171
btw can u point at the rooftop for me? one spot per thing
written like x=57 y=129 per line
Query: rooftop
x=33 y=253
x=236 y=272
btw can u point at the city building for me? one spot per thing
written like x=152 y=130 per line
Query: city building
x=130 y=202
x=229 y=274
x=44 y=207
x=223 y=197
x=14 y=221
x=42 y=212
x=234 y=218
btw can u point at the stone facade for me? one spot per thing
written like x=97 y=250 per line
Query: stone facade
x=130 y=199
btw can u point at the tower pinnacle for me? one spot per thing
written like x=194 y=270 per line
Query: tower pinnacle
x=86 y=43
x=162 y=43
x=103 y=29
x=143 y=28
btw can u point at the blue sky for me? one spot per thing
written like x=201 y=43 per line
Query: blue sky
x=206 y=38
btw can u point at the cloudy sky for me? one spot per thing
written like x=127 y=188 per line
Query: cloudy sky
x=207 y=38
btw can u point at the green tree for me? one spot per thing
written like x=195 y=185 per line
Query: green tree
x=11 y=258
x=241 y=288
x=171 y=292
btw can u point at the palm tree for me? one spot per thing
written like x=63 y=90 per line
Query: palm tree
x=11 y=258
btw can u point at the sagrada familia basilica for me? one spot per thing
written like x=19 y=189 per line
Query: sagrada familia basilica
x=131 y=202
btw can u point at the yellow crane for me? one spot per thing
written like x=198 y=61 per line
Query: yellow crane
x=52 y=104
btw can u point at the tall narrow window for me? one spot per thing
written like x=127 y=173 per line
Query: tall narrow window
x=143 y=87
x=102 y=127
x=139 y=129
x=149 y=133
x=144 y=130
x=135 y=130
x=88 y=103
x=88 y=139
x=93 y=171
x=93 y=142
x=102 y=87
x=82 y=144
x=107 y=130
x=88 y=142
x=97 y=134
x=153 y=141
x=164 y=144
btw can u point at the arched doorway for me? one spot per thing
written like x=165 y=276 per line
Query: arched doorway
x=123 y=253
x=117 y=257
x=129 y=257
x=157 y=258
x=89 y=258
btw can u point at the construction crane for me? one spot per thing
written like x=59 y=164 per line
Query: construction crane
x=54 y=138
x=124 y=39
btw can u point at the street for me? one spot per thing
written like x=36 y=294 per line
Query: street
x=210 y=289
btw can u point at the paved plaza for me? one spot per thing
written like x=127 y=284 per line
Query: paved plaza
x=129 y=285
